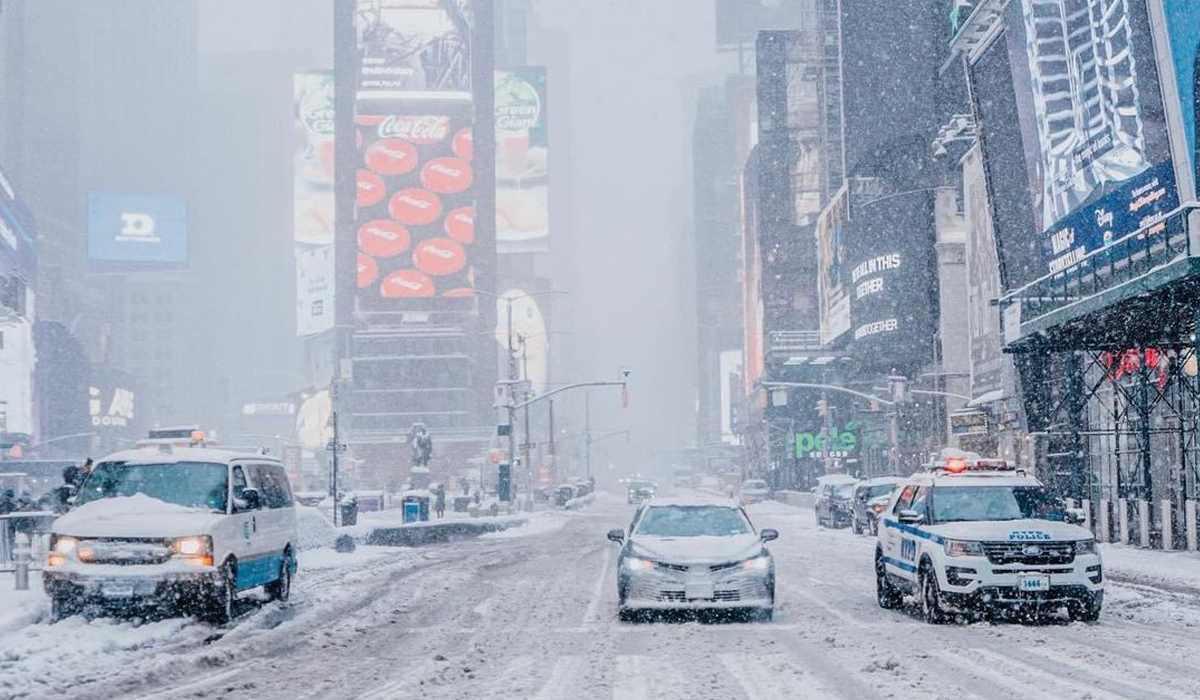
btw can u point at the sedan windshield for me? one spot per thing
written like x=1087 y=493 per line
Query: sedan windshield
x=972 y=503
x=755 y=485
x=693 y=521
x=190 y=484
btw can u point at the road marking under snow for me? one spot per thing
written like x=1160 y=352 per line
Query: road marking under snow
x=773 y=677
x=593 y=607
x=1020 y=679
x=634 y=674
x=564 y=678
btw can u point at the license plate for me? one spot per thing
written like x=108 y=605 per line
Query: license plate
x=698 y=591
x=1036 y=584
x=117 y=589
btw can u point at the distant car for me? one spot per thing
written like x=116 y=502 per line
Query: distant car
x=694 y=554
x=640 y=491
x=753 y=491
x=563 y=494
x=181 y=529
x=834 y=492
x=870 y=500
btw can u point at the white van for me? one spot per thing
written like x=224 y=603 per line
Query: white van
x=186 y=529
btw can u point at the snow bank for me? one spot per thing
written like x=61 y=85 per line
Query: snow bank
x=314 y=530
x=538 y=524
x=1175 y=570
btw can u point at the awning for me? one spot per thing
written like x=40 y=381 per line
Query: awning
x=990 y=397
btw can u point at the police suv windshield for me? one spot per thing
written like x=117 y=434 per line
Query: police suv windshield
x=693 y=521
x=191 y=484
x=973 y=503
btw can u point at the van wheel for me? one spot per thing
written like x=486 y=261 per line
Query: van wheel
x=886 y=593
x=218 y=605
x=931 y=597
x=854 y=526
x=281 y=588
x=62 y=607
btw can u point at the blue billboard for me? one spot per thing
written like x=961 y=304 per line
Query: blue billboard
x=1183 y=27
x=137 y=229
x=18 y=237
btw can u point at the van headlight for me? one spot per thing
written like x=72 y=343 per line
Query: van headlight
x=198 y=549
x=963 y=548
x=1085 y=547
x=61 y=544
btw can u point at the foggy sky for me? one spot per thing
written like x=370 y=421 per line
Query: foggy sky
x=625 y=255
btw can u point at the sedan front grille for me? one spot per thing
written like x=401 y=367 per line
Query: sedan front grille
x=1031 y=553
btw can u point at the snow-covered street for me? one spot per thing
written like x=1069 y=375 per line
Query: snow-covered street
x=531 y=613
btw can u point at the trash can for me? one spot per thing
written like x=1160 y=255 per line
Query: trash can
x=412 y=511
x=349 y=511
x=462 y=504
x=419 y=500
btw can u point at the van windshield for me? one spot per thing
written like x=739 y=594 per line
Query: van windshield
x=191 y=484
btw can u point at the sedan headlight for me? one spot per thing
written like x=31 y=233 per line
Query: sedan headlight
x=1085 y=546
x=759 y=563
x=963 y=548
x=635 y=564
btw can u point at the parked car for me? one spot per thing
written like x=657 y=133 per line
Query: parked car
x=183 y=529
x=562 y=494
x=694 y=554
x=753 y=491
x=870 y=501
x=834 y=493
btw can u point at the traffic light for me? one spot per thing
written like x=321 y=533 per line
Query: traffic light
x=822 y=407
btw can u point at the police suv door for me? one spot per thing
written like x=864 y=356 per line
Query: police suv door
x=889 y=533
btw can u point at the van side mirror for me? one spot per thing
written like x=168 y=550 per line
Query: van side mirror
x=910 y=517
x=617 y=536
x=250 y=500
x=767 y=534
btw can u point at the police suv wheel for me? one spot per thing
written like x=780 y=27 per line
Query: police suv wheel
x=931 y=597
x=888 y=596
x=1086 y=610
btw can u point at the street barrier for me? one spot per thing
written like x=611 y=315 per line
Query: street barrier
x=800 y=499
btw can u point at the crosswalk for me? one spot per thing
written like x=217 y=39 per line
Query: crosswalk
x=967 y=674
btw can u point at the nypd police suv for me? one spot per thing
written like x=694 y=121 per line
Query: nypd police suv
x=974 y=535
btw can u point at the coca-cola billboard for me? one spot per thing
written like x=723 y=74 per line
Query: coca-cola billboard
x=416 y=210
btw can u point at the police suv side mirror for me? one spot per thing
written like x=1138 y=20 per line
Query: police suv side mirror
x=617 y=536
x=1075 y=516
x=910 y=517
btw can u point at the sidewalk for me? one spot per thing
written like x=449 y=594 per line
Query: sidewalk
x=1178 y=572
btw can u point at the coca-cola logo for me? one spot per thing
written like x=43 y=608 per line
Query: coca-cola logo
x=419 y=130
x=447 y=175
x=391 y=157
x=368 y=271
x=439 y=256
x=382 y=238
x=460 y=225
x=406 y=284
x=371 y=189
x=464 y=143
x=415 y=207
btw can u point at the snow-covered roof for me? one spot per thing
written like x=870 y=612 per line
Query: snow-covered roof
x=881 y=480
x=156 y=455
x=836 y=479
x=695 y=501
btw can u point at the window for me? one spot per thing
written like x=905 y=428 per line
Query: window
x=189 y=484
x=272 y=486
x=905 y=499
x=693 y=521
x=920 y=502
x=239 y=482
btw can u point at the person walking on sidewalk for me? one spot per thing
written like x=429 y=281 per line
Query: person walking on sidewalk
x=439 y=503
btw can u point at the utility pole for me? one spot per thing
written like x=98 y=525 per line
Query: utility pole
x=551 y=450
x=587 y=428
x=528 y=451
x=512 y=413
x=335 y=446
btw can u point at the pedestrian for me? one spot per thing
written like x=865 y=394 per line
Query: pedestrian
x=8 y=501
x=82 y=474
x=61 y=501
x=439 y=503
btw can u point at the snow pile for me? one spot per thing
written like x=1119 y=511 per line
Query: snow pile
x=1172 y=570
x=576 y=503
x=313 y=529
x=538 y=524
